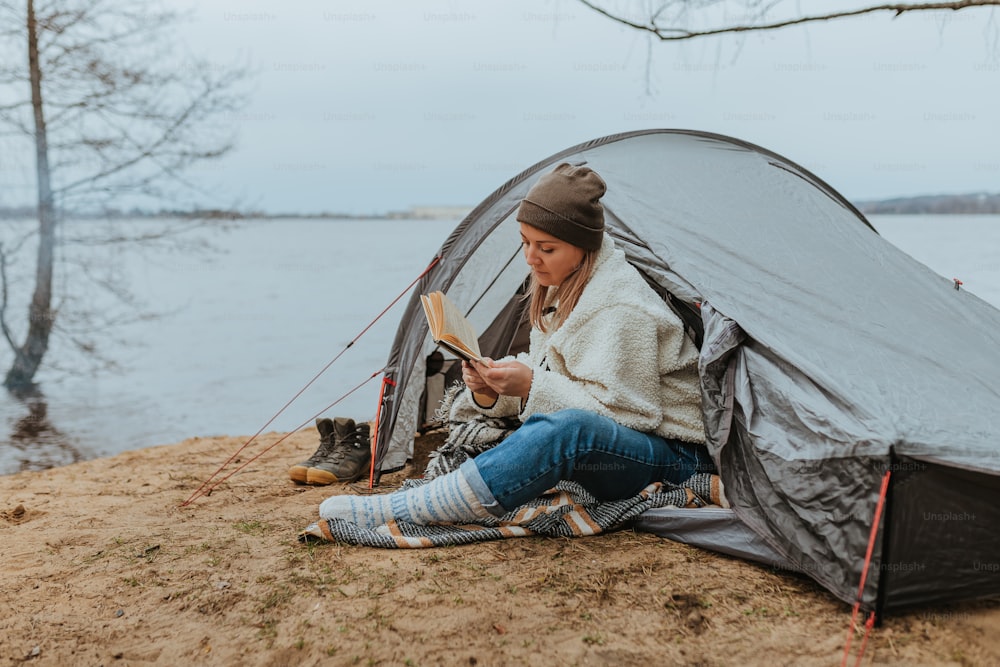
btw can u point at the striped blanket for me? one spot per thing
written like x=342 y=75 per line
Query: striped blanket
x=568 y=510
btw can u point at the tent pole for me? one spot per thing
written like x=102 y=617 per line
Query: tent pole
x=864 y=572
x=378 y=421
x=886 y=537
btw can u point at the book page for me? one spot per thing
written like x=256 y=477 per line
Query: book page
x=449 y=327
x=432 y=320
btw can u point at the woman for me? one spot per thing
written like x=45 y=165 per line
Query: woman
x=608 y=393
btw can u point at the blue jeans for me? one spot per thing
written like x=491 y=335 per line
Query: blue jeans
x=611 y=461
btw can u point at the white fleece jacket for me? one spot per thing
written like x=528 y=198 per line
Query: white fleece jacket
x=621 y=353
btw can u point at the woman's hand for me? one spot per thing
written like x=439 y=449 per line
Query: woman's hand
x=475 y=382
x=506 y=378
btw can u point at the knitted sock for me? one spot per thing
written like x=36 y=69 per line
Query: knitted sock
x=445 y=499
x=708 y=488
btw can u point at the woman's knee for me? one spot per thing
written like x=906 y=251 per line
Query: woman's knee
x=571 y=428
x=570 y=419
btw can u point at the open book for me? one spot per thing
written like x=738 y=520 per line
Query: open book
x=448 y=326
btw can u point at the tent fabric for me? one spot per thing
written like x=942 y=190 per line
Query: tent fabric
x=714 y=528
x=825 y=350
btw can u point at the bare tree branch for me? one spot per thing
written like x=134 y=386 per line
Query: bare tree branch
x=142 y=153
x=113 y=112
x=668 y=34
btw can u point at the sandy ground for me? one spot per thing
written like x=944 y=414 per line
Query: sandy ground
x=101 y=566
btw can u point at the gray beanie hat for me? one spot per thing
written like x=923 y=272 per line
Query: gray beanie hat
x=566 y=204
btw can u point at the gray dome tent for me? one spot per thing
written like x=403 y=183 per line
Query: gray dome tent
x=828 y=357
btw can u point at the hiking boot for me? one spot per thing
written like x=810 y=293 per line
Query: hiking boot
x=350 y=457
x=298 y=471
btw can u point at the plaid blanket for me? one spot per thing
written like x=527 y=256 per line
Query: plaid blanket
x=470 y=433
x=568 y=510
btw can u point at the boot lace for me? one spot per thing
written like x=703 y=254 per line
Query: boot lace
x=353 y=441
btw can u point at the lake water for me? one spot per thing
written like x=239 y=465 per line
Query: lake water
x=246 y=325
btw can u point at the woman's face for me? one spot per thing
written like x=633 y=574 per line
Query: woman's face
x=550 y=259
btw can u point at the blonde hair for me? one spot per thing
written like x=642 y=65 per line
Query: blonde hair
x=568 y=294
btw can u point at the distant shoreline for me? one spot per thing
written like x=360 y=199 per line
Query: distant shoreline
x=413 y=213
x=977 y=203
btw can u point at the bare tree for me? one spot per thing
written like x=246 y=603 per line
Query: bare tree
x=114 y=114
x=666 y=20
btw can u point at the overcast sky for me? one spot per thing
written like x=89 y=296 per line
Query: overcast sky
x=365 y=107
